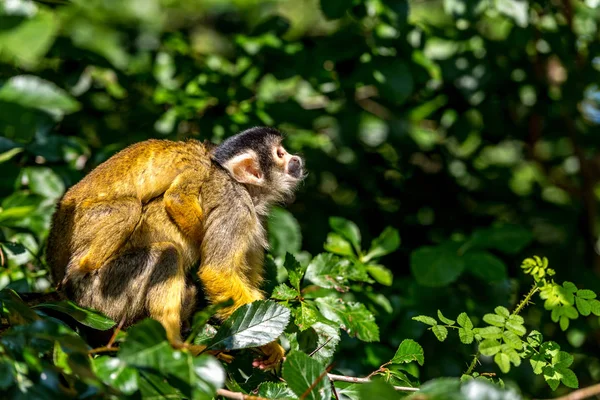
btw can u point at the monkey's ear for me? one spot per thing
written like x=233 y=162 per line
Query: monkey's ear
x=245 y=169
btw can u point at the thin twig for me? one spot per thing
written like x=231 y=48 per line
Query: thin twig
x=473 y=363
x=582 y=393
x=237 y=395
x=334 y=390
x=115 y=333
x=352 y=379
x=1 y=257
x=102 y=349
x=320 y=347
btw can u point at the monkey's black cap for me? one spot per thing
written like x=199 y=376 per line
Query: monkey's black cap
x=260 y=139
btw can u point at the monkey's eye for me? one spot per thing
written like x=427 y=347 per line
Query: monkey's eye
x=280 y=152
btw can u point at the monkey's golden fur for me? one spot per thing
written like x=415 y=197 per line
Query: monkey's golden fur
x=125 y=237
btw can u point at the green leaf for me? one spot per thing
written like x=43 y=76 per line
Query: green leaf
x=85 y=316
x=386 y=243
x=490 y=332
x=381 y=274
x=436 y=266
x=489 y=347
x=503 y=361
x=466 y=336
x=393 y=78
x=306 y=377
x=551 y=376
x=338 y=245
x=568 y=378
x=515 y=325
x=495 y=319
x=586 y=294
x=334 y=9
x=444 y=319
x=538 y=362
x=595 y=307
x=294 y=270
x=44 y=181
x=25 y=43
x=535 y=338
x=378 y=390
x=425 y=319
x=115 y=372
x=564 y=323
x=347 y=229
x=284 y=292
x=512 y=340
x=464 y=321
x=284 y=232
x=502 y=311
x=33 y=92
x=485 y=266
x=252 y=325
x=510 y=239
x=562 y=359
x=276 y=391
x=440 y=332
x=354 y=318
x=583 y=306
x=408 y=351
x=7 y=155
x=328 y=271
x=305 y=316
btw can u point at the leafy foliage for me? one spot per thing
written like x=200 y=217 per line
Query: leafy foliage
x=444 y=140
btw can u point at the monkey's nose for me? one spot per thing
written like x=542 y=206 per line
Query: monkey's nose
x=295 y=166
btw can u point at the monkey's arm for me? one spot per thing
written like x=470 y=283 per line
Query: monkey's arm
x=182 y=202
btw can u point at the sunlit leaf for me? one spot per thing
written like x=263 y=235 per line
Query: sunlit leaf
x=408 y=351
x=306 y=377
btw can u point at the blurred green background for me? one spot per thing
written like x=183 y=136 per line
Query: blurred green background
x=445 y=119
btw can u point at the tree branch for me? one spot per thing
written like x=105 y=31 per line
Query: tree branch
x=352 y=379
x=582 y=393
x=237 y=395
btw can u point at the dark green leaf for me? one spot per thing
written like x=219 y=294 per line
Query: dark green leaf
x=305 y=316
x=334 y=9
x=386 y=243
x=436 y=266
x=284 y=292
x=485 y=266
x=115 y=372
x=85 y=316
x=354 y=318
x=306 y=377
x=276 y=391
x=510 y=239
x=284 y=232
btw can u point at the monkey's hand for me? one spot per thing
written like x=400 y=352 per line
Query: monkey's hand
x=273 y=356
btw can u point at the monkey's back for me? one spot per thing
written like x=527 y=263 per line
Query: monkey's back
x=142 y=171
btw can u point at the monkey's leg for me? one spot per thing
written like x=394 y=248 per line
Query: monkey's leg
x=106 y=226
x=182 y=202
x=221 y=285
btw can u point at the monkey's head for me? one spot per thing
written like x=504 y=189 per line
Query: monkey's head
x=256 y=158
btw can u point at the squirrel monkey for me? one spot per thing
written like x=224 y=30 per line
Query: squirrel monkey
x=123 y=238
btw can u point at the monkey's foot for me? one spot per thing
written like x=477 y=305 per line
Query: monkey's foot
x=274 y=354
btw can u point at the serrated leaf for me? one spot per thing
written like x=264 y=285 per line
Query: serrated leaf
x=425 y=319
x=306 y=377
x=347 y=229
x=535 y=338
x=494 y=319
x=252 y=325
x=551 y=376
x=85 y=316
x=444 y=319
x=294 y=269
x=408 y=351
x=515 y=327
x=490 y=332
x=305 y=316
x=440 y=332
x=517 y=319
x=276 y=391
x=284 y=292
x=386 y=243
x=328 y=271
x=354 y=318
x=464 y=321
x=512 y=340
x=562 y=359
x=502 y=311
x=465 y=335
x=583 y=306
x=489 y=347
x=502 y=361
